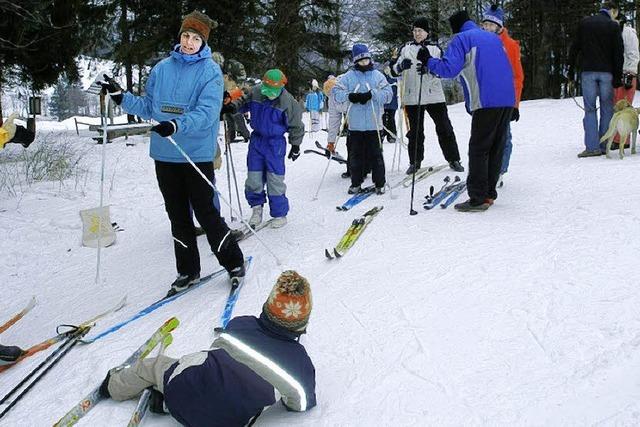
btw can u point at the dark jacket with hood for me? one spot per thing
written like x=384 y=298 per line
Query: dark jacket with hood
x=253 y=364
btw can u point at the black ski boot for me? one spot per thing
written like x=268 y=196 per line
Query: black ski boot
x=469 y=207
x=237 y=274
x=412 y=169
x=182 y=282
x=456 y=166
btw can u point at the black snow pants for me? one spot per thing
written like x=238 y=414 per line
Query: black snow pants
x=181 y=186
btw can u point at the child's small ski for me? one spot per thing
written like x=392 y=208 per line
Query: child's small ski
x=357 y=198
x=353 y=233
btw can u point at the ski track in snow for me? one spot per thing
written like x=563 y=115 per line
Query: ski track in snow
x=523 y=315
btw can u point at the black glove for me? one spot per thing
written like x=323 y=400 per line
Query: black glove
x=421 y=68
x=404 y=65
x=515 y=115
x=423 y=55
x=166 y=128
x=110 y=86
x=294 y=153
x=360 y=97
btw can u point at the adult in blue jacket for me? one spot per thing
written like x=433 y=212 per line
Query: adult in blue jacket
x=479 y=58
x=184 y=94
x=254 y=363
x=368 y=91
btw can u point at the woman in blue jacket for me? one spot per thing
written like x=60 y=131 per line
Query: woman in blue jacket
x=184 y=94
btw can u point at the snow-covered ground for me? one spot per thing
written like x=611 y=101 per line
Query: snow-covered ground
x=526 y=314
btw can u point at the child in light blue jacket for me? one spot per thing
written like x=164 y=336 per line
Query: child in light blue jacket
x=368 y=91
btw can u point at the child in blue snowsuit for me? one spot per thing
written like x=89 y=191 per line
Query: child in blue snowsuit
x=274 y=112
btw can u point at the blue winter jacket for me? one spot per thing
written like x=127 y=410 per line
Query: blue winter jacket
x=361 y=117
x=393 y=104
x=187 y=89
x=272 y=118
x=254 y=362
x=314 y=101
x=479 y=58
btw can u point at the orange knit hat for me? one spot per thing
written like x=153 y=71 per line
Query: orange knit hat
x=289 y=304
x=199 y=23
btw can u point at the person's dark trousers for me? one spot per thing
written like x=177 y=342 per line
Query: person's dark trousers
x=444 y=130
x=366 y=150
x=241 y=126
x=389 y=123
x=349 y=157
x=486 y=147
x=415 y=114
x=182 y=186
x=231 y=126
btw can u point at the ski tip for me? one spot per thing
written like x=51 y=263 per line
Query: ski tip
x=336 y=253
x=328 y=254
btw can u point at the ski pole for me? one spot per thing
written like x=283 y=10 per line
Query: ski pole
x=104 y=105
x=235 y=181
x=342 y=124
x=188 y=159
x=415 y=144
x=35 y=370
x=69 y=345
x=226 y=158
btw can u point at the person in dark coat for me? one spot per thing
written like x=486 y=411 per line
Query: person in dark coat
x=255 y=362
x=599 y=43
x=479 y=58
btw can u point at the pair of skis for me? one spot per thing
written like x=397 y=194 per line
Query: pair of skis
x=153 y=307
x=61 y=336
x=421 y=174
x=446 y=195
x=352 y=234
x=161 y=336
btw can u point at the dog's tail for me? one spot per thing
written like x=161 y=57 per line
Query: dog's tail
x=612 y=129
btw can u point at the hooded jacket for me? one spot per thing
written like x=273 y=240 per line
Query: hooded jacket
x=479 y=58
x=253 y=364
x=187 y=89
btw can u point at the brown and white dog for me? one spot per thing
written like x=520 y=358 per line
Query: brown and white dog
x=624 y=123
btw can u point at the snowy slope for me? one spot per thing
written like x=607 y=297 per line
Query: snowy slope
x=523 y=315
